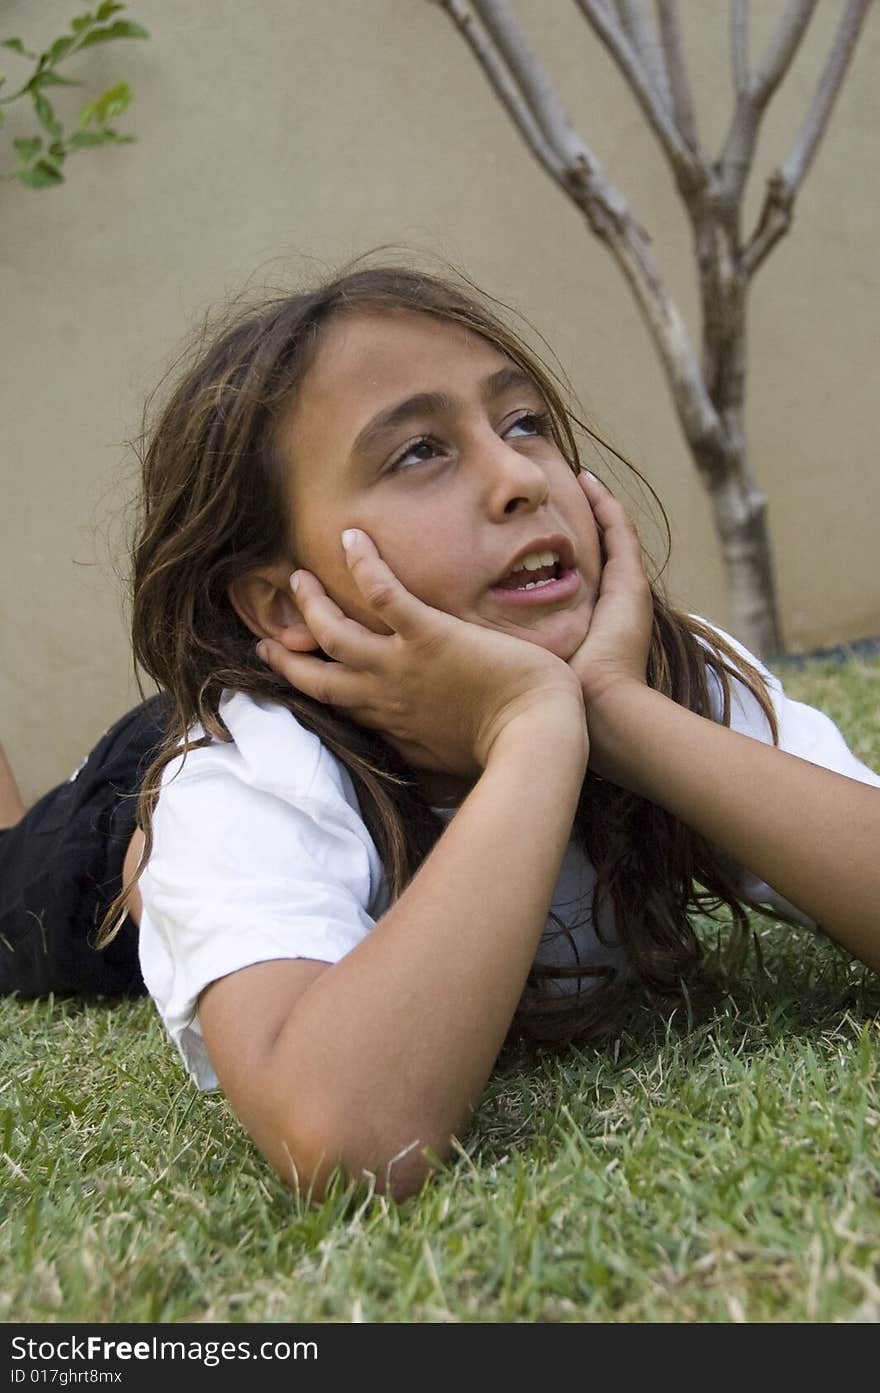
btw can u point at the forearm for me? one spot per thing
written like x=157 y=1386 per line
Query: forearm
x=811 y=834
x=392 y=1047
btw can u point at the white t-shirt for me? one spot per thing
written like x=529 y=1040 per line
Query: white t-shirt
x=260 y=852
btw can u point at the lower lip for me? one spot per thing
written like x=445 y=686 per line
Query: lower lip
x=559 y=589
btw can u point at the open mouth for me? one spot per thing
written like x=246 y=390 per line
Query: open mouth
x=539 y=577
x=530 y=579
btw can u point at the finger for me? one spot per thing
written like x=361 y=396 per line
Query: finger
x=619 y=534
x=333 y=684
x=598 y=495
x=329 y=628
x=381 y=589
x=297 y=638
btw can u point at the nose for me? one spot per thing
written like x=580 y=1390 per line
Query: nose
x=514 y=481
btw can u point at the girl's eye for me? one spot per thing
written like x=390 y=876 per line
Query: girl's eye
x=526 y=427
x=531 y=423
x=417 y=452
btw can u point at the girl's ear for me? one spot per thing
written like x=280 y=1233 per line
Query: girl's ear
x=263 y=600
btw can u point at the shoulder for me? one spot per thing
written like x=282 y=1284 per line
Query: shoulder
x=746 y=714
x=269 y=750
x=259 y=854
x=803 y=730
x=271 y=801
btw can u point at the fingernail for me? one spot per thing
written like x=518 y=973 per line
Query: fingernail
x=261 y=650
x=349 y=537
x=590 y=476
x=294 y=582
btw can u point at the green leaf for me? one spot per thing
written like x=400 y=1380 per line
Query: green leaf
x=47 y=78
x=42 y=175
x=111 y=103
x=58 y=49
x=120 y=29
x=27 y=148
x=46 y=115
x=108 y=8
x=114 y=101
x=17 y=47
x=84 y=140
x=58 y=151
x=81 y=22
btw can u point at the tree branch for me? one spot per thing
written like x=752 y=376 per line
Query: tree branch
x=523 y=66
x=501 y=82
x=739 y=46
x=700 y=421
x=676 y=67
x=816 y=122
x=753 y=94
x=608 y=215
x=639 y=25
x=783 y=47
x=689 y=170
x=783 y=185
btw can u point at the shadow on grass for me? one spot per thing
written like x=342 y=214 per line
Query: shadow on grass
x=777 y=986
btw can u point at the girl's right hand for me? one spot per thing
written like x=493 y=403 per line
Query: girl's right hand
x=440 y=689
x=612 y=660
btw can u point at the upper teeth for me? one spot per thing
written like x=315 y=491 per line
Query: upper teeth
x=535 y=560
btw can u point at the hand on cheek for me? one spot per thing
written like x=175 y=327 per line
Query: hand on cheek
x=616 y=647
x=439 y=689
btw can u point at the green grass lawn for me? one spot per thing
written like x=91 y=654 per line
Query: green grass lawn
x=724 y=1167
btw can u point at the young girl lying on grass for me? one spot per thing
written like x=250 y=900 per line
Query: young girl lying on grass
x=431 y=764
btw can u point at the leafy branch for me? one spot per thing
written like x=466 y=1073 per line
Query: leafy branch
x=40 y=157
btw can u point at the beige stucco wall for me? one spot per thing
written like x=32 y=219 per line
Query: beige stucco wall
x=276 y=133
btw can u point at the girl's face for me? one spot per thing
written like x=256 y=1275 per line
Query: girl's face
x=434 y=443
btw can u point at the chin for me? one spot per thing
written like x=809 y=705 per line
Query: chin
x=560 y=634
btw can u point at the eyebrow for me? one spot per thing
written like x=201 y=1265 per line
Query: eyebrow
x=436 y=404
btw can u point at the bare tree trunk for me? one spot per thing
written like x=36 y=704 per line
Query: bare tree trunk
x=740 y=512
x=645 y=41
x=739 y=506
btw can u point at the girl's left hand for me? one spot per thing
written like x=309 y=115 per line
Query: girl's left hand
x=618 y=640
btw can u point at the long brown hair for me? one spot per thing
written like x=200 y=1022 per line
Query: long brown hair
x=213 y=507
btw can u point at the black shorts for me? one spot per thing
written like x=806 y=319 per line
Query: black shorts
x=61 y=868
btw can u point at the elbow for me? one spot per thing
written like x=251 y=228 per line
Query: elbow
x=308 y=1157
